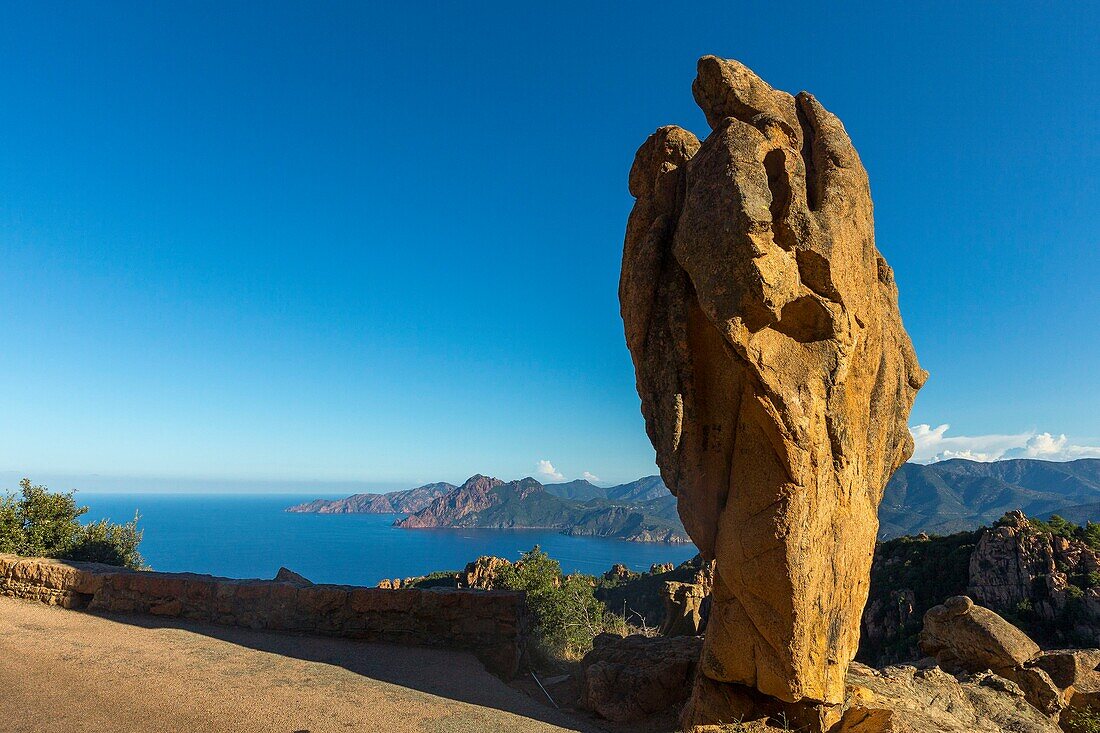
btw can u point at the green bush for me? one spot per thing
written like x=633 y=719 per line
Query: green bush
x=36 y=523
x=567 y=615
x=1081 y=720
x=1059 y=527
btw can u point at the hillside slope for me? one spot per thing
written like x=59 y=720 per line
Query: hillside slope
x=959 y=495
x=395 y=502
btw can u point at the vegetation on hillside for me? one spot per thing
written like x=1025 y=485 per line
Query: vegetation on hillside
x=1064 y=627
x=1089 y=533
x=933 y=568
x=42 y=524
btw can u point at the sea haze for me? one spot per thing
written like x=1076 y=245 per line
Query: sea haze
x=251 y=536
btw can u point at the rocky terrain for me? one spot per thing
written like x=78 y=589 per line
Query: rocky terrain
x=979 y=673
x=1043 y=576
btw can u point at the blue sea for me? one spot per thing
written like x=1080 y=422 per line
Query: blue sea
x=251 y=536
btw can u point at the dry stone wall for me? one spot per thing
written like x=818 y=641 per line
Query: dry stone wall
x=492 y=624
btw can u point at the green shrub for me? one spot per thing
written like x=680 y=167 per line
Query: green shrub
x=567 y=615
x=36 y=523
x=1059 y=527
x=1081 y=720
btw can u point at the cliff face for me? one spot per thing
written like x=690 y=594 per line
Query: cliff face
x=1045 y=578
x=477 y=494
x=395 y=502
x=1052 y=579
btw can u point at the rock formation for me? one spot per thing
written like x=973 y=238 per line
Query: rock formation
x=683 y=609
x=634 y=678
x=482 y=573
x=286 y=575
x=962 y=636
x=967 y=638
x=775 y=375
x=1016 y=563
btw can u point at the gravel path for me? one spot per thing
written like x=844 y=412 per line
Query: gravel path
x=70 y=672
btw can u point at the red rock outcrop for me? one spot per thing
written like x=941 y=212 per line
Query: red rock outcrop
x=476 y=495
x=1015 y=558
x=775 y=375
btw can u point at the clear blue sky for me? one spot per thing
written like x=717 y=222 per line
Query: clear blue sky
x=380 y=242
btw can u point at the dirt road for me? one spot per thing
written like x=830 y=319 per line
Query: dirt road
x=71 y=672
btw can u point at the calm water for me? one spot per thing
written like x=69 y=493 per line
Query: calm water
x=249 y=536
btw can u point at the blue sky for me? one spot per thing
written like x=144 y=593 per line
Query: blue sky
x=380 y=242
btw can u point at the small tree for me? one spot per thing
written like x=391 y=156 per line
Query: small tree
x=41 y=524
x=566 y=613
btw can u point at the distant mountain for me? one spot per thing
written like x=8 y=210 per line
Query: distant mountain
x=644 y=489
x=957 y=495
x=395 y=502
x=939 y=498
x=491 y=503
x=581 y=490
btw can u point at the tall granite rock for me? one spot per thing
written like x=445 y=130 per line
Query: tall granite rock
x=775 y=374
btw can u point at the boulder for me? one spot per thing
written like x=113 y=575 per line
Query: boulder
x=1039 y=689
x=964 y=636
x=775 y=375
x=683 y=609
x=908 y=700
x=482 y=572
x=1070 y=667
x=631 y=678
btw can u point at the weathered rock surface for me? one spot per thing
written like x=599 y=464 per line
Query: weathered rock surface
x=629 y=679
x=963 y=636
x=775 y=375
x=1017 y=563
x=1076 y=675
x=683 y=609
x=908 y=700
x=482 y=572
x=632 y=678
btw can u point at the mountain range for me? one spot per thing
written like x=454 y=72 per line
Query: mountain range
x=639 y=511
x=957 y=495
x=938 y=498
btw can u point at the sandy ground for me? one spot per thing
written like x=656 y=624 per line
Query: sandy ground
x=71 y=672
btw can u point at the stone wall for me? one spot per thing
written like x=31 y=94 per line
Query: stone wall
x=492 y=624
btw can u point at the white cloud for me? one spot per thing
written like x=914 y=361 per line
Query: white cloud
x=591 y=477
x=933 y=444
x=546 y=469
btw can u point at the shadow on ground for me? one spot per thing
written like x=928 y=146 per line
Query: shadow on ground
x=443 y=673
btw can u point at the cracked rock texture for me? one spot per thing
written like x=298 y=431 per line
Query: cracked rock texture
x=775 y=374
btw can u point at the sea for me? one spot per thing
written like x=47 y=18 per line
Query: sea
x=252 y=536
